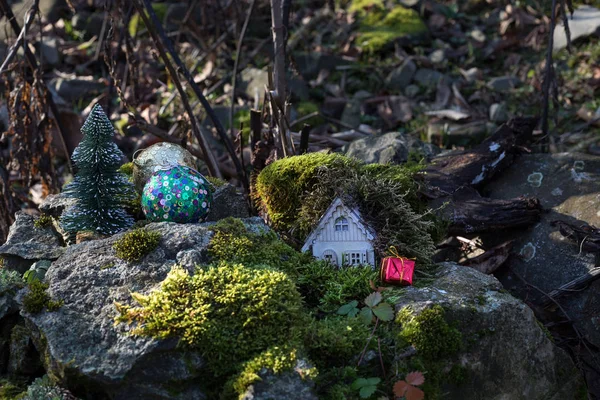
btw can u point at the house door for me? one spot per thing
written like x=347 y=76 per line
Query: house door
x=329 y=255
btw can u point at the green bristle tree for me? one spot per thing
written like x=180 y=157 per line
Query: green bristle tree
x=100 y=189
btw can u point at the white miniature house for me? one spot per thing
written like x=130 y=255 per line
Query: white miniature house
x=341 y=237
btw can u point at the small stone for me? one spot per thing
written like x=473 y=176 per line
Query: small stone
x=504 y=83
x=401 y=77
x=228 y=202
x=498 y=112
x=478 y=35
x=49 y=52
x=411 y=91
x=392 y=147
x=55 y=204
x=253 y=81
x=353 y=110
x=472 y=74
x=585 y=21
x=438 y=56
x=429 y=77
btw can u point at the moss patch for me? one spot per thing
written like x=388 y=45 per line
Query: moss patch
x=37 y=299
x=134 y=245
x=43 y=221
x=127 y=169
x=296 y=191
x=380 y=27
x=238 y=312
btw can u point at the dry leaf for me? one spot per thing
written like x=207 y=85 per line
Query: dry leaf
x=413 y=393
x=400 y=388
x=415 y=378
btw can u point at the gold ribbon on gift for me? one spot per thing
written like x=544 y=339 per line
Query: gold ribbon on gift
x=394 y=253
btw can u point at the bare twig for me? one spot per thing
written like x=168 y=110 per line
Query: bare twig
x=362 y=354
x=238 y=54
x=157 y=26
x=209 y=157
x=29 y=19
x=304 y=136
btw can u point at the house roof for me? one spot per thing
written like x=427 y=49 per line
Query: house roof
x=352 y=212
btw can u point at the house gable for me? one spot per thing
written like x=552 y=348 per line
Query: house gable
x=325 y=231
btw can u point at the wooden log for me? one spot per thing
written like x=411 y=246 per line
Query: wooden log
x=586 y=236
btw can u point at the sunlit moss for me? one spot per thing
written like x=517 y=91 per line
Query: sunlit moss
x=136 y=244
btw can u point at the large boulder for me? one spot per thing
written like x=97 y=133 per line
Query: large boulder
x=392 y=147
x=80 y=344
x=26 y=244
x=568 y=186
x=505 y=353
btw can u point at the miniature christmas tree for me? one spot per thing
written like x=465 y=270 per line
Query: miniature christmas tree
x=100 y=189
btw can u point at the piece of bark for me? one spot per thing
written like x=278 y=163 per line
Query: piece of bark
x=488 y=215
x=474 y=168
x=574 y=285
x=586 y=236
x=492 y=259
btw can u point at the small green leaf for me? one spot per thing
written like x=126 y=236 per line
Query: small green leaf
x=360 y=382
x=373 y=381
x=367 y=391
x=373 y=299
x=384 y=312
x=346 y=309
x=353 y=312
x=366 y=315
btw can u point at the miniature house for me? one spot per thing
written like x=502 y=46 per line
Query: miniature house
x=341 y=237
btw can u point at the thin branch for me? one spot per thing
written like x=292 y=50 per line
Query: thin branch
x=29 y=19
x=368 y=341
x=184 y=71
x=209 y=157
x=238 y=54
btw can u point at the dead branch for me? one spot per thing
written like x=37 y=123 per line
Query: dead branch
x=21 y=40
x=575 y=285
x=159 y=31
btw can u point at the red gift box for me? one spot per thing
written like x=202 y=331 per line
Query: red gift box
x=397 y=270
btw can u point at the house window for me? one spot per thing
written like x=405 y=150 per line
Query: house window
x=355 y=257
x=341 y=224
x=330 y=256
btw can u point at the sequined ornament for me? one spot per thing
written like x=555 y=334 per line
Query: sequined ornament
x=157 y=157
x=177 y=194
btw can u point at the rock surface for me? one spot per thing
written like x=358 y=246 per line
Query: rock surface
x=285 y=386
x=55 y=204
x=227 y=202
x=25 y=244
x=401 y=77
x=568 y=185
x=80 y=343
x=584 y=22
x=508 y=355
x=392 y=147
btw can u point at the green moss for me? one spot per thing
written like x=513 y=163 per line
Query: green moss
x=11 y=388
x=319 y=284
x=10 y=281
x=127 y=169
x=242 y=119
x=545 y=330
x=296 y=191
x=458 y=374
x=216 y=182
x=276 y=359
x=336 y=384
x=37 y=299
x=333 y=341
x=43 y=221
x=380 y=27
x=134 y=245
x=429 y=332
x=107 y=265
x=305 y=108
x=238 y=312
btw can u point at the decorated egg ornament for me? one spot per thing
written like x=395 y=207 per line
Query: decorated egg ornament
x=176 y=194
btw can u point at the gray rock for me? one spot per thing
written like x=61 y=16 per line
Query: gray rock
x=285 y=386
x=353 y=109
x=55 y=204
x=504 y=83
x=50 y=9
x=90 y=24
x=568 y=186
x=298 y=89
x=77 y=88
x=26 y=244
x=23 y=358
x=437 y=56
x=456 y=134
x=584 y=22
x=228 y=202
x=508 y=355
x=253 y=81
x=80 y=343
x=310 y=64
x=392 y=147
x=401 y=77
x=411 y=91
x=498 y=112
x=49 y=52
x=430 y=78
